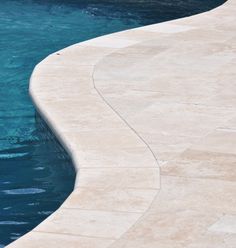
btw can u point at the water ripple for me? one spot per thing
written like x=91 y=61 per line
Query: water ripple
x=12 y=223
x=26 y=191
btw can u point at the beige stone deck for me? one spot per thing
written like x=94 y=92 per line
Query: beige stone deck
x=149 y=117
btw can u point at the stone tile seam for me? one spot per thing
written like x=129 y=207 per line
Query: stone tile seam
x=102 y=210
x=123 y=119
x=149 y=148
x=140 y=137
x=138 y=220
x=117 y=168
x=74 y=235
x=197 y=178
x=117 y=188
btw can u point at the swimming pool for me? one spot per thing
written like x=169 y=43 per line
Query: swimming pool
x=32 y=163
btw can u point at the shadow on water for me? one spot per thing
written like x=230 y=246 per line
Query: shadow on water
x=32 y=163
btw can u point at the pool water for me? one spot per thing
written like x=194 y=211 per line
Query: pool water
x=32 y=163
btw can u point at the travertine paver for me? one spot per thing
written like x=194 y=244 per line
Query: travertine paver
x=148 y=117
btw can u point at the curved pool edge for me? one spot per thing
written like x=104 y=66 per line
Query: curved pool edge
x=119 y=175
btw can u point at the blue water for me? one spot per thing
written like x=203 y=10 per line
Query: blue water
x=32 y=164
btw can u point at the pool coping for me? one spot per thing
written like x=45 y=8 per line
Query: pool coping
x=116 y=186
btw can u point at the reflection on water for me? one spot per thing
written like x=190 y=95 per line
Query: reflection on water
x=31 y=185
x=27 y=191
x=32 y=164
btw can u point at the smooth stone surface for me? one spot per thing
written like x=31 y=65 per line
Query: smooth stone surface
x=130 y=200
x=91 y=223
x=140 y=178
x=226 y=224
x=45 y=240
